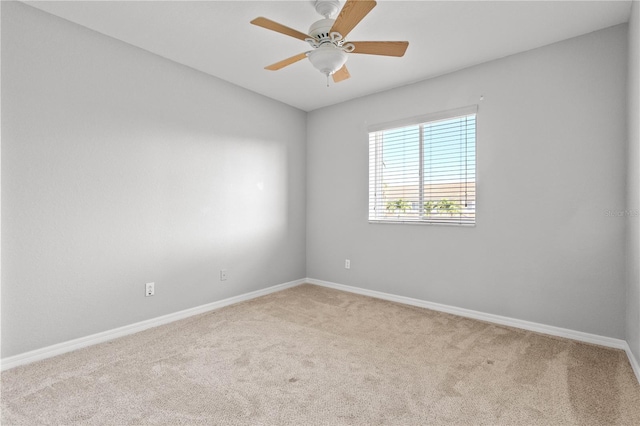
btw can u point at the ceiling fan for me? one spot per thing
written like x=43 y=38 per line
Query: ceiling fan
x=327 y=37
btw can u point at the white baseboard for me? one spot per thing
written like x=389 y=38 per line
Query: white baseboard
x=496 y=319
x=71 y=345
x=633 y=361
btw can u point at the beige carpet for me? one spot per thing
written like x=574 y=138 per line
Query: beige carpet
x=312 y=355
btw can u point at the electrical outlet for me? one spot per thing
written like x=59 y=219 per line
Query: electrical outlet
x=347 y=264
x=223 y=275
x=150 y=289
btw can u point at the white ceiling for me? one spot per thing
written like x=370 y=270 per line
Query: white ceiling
x=215 y=37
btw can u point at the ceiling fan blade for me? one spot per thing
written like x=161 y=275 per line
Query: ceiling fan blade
x=274 y=26
x=341 y=74
x=351 y=14
x=284 y=63
x=384 y=48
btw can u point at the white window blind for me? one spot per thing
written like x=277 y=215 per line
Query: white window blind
x=424 y=170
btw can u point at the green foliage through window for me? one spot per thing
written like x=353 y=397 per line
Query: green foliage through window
x=400 y=204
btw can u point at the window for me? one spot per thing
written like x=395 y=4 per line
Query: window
x=423 y=170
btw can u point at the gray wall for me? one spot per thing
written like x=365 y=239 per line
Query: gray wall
x=633 y=185
x=551 y=143
x=121 y=168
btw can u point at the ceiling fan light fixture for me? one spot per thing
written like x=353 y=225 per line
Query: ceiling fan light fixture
x=327 y=59
x=328 y=38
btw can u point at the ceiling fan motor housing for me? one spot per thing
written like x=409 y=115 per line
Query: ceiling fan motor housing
x=321 y=29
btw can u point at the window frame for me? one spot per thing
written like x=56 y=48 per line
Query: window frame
x=416 y=121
